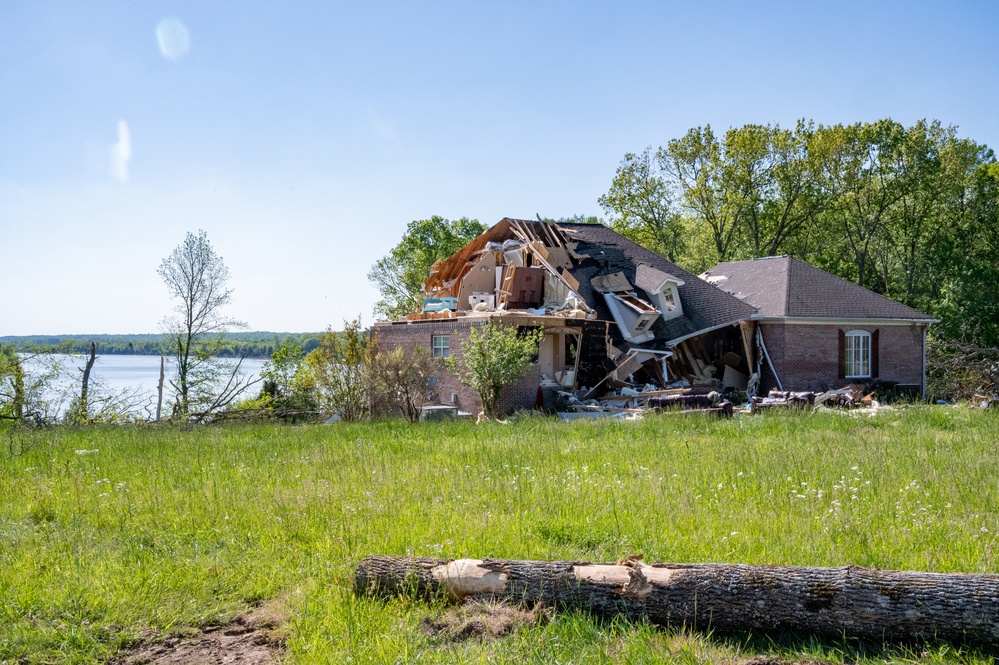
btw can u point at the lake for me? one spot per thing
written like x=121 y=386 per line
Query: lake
x=115 y=373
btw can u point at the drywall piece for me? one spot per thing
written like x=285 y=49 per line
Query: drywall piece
x=612 y=283
x=480 y=279
x=559 y=258
x=514 y=257
x=733 y=360
x=488 y=300
x=734 y=379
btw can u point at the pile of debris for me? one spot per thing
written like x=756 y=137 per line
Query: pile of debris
x=528 y=273
x=695 y=399
x=848 y=397
x=985 y=402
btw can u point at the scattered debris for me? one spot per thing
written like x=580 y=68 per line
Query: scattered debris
x=481 y=621
x=848 y=397
x=254 y=638
x=985 y=402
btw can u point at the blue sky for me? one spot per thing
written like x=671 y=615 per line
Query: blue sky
x=303 y=137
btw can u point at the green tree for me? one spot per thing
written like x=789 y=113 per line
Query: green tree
x=196 y=276
x=29 y=384
x=644 y=206
x=492 y=358
x=574 y=219
x=696 y=163
x=12 y=391
x=287 y=383
x=279 y=372
x=968 y=304
x=336 y=372
x=400 y=275
x=778 y=175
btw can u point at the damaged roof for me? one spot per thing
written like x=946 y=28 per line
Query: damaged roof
x=783 y=286
x=704 y=307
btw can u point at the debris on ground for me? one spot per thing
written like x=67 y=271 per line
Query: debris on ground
x=636 y=402
x=481 y=621
x=985 y=402
x=254 y=638
x=848 y=397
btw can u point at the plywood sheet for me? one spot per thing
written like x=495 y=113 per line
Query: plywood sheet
x=613 y=283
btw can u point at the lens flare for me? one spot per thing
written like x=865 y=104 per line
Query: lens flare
x=174 y=38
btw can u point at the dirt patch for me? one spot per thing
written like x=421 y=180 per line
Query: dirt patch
x=481 y=621
x=254 y=638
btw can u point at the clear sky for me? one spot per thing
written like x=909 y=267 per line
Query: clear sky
x=304 y=136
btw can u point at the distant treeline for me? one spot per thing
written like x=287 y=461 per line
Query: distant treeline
x=237 y=344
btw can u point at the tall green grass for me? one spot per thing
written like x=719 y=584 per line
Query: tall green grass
x=109 y=535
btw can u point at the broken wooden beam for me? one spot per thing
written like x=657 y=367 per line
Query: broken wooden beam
x=854 y=602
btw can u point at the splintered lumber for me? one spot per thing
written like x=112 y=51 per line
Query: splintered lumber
x=855 y=602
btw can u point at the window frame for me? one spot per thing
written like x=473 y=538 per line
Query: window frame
x=442 y=350
x=858 y=343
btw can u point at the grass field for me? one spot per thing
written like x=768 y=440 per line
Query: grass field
x=108 y=536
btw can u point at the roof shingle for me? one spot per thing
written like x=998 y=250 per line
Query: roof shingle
x=783 y=286
x=704 y=307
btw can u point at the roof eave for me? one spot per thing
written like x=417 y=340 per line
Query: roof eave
x=841 y=319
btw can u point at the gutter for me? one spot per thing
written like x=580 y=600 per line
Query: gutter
x=702 y=331
x=924 y=363
x=804 y=320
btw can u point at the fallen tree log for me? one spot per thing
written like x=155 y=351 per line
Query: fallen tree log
x=856 y=602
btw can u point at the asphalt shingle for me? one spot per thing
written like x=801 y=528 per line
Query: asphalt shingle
x=783 y=286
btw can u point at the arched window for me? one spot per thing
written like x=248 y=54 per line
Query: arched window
x=857 y=358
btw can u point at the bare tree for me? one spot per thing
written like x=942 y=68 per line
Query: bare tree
x=196 y=276
x=398 y=378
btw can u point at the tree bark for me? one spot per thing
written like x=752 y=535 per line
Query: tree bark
x=852 y=602
x=159 y=391
x=85 y=387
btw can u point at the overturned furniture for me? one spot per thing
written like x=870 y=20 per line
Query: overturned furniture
x=848 y=397
x=853 y=602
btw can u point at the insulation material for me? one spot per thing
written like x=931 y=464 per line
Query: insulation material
x=556 y=291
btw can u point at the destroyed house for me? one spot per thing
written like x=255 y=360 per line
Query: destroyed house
x=817 y=331
x=618 y=318
x=614 y=315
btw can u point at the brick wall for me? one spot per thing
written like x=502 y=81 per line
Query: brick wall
x=807 y=356
x=420 y=334
x=522 y=395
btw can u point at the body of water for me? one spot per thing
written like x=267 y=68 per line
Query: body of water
x=115 y=373
x=143 y=372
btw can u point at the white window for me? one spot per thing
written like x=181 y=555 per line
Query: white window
x=441 y=345
x=858 y=354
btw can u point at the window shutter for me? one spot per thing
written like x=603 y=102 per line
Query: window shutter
x=875 y=352
x=842 y=354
